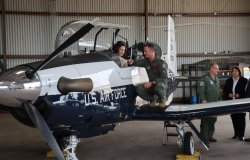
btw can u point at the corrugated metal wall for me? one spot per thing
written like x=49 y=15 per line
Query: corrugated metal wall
x=131 y=6
x=27 y=35
x=199 y=6
x=28 y=5
x=199 y=34
x=100 y=6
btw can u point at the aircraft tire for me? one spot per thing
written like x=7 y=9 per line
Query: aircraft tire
x=188 y=146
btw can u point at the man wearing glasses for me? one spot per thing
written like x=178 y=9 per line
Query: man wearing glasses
x=209 y=91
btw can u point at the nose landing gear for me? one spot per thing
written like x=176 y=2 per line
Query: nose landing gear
x=69 y=147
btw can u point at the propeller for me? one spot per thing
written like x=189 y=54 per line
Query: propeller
x=41 y=124
x=75 y=37
x=32 y=111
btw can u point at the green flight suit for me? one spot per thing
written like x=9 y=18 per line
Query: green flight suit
x=157 y=71
x=209 y=90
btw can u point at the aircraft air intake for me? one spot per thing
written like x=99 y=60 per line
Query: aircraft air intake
x=66 y=85
x=16 y=87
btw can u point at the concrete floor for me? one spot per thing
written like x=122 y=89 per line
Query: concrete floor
x=135 y=140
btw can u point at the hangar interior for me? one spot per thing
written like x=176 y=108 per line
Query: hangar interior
x=206 y=31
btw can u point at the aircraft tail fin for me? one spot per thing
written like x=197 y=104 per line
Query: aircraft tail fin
x=170 y=58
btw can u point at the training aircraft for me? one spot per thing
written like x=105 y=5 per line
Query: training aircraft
x=80 y=90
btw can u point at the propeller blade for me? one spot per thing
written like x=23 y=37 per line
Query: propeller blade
x=40 y=123
x=75 y=37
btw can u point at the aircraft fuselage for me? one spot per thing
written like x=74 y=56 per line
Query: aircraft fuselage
x=111 y=99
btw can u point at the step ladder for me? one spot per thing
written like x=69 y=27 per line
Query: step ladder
x=166 y=133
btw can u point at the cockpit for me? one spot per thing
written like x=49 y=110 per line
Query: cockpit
x=101 y=37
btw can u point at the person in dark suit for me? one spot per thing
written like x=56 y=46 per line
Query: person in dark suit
x=234 y=89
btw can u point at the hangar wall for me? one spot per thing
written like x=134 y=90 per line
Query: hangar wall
x=198 y=6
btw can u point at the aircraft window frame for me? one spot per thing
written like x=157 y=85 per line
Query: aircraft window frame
x=86 y=44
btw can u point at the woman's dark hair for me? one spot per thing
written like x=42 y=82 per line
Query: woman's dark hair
x=237 y=68
x=118 y=45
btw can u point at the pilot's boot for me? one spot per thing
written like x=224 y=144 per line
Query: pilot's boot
x=153 y=101
x=162 y=103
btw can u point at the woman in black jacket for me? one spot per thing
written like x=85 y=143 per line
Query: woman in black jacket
x=234 y=89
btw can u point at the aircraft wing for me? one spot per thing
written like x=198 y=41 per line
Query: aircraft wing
x=194 y=111
x=187 y=113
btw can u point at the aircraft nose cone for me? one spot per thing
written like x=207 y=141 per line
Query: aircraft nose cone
x=15 y=87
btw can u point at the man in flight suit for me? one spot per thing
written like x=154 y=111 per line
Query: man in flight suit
x=209 y=91
x=156 y=69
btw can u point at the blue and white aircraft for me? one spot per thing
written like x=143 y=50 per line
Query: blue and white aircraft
x=85 y=92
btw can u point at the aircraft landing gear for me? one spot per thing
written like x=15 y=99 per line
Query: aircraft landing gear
x=69 y=147
x=185 y=140
x=188 y=146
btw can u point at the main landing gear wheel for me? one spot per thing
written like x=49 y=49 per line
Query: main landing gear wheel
x=188 y=146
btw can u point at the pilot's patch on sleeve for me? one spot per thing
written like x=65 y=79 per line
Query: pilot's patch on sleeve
x=164 y=65
x=201 y=83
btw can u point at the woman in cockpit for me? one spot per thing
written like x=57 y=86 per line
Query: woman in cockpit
x=119 y=49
